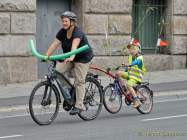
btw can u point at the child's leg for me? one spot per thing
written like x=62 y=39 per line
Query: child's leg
x=136 y=101
x=132 y=91
x=131 y=83
x=122 y=75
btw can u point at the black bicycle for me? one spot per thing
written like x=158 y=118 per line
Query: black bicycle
x=114 y=91
x=45 y=97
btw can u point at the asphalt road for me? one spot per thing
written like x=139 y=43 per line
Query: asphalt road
x=167 y=121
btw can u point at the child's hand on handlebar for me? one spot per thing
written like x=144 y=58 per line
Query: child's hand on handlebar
x=125 y=65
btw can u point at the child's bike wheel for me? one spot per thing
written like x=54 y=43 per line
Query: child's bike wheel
x=146 y=98
x=112 y=99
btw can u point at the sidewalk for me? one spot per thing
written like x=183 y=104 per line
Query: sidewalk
x=160 y=82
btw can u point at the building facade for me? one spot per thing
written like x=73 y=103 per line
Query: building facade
x=108 y=24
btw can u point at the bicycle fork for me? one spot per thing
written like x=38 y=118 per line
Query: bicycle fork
x=46 y=97
x=46 y=100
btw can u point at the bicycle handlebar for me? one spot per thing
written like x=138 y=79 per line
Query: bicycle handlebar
x=118 y=67
x=55 y=57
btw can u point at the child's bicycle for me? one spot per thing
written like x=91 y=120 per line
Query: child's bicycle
x=114 y=91
x=47 y=95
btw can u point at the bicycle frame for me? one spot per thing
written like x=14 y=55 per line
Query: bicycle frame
x=117 y=85
x=53 y=77
x=121 y=91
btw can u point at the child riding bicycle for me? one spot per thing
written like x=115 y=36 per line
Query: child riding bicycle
x=133 y=71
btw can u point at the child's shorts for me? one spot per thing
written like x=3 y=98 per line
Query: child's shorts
x=130 y=82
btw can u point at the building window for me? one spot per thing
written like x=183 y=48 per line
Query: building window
x=148 y=22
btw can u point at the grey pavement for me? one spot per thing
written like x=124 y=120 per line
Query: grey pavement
x=167 y=121
x=170 y=82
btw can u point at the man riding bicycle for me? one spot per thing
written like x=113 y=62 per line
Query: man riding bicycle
x=70 y=37
x=134 y=71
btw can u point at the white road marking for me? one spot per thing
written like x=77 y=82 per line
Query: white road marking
x=162 y=118
x=170 y=93
x=170 y=100
x=11 y=136
x=6 y=117
x=24 y=115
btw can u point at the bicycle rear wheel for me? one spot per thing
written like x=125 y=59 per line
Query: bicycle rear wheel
x=44 y=103
x=112 y=99
x=146 y=98
x=93 y=99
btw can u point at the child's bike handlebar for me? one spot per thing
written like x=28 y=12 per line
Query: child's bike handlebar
x=55 y=57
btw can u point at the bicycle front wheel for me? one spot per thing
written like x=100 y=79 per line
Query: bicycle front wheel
x=146 y=98
x=44 y=103
x=93 y=99
x=112 y=99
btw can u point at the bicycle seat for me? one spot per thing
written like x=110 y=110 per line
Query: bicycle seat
x=139 y=83
x=142 y=83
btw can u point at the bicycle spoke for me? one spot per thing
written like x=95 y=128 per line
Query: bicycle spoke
x=43 y=104
x=146 y=100
x=92 y=101
x=112 y=99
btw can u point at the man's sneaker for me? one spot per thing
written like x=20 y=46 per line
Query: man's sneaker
x=75 y=111
x=136 y=102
